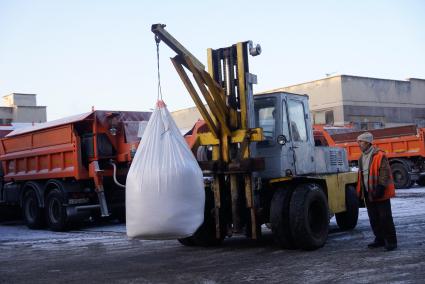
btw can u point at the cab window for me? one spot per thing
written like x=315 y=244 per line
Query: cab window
x=265 y=111
x=297 y=121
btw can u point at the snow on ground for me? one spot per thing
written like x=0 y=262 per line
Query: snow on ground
x=102 y=253
x=408 y=202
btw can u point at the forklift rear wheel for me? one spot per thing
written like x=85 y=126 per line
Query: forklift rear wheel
x=56 y=215
x=400 y=175
x=279 y=218
x=347 y=220
x=31 y=210
x=309 y=216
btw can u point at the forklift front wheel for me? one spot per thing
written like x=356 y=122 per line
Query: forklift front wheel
x=205 y=235
x=309 y=216
x=189 y=241
x=279 y=218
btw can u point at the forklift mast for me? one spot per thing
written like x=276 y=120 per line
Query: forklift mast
x=227 y=90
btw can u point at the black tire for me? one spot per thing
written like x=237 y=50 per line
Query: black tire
x=189 y=241
x=279 y=218
x=119 y=214
x=421 y=181
x=31 y=210
x=10 y=212
x=347 y=220
x=401 y=176
x=205 y=236
x=56 y=216
x=309 y=216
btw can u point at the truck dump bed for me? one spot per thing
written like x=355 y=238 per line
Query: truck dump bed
x=63 y=148
x=404 y=141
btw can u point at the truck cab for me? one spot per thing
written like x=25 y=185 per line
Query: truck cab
x=288 y=148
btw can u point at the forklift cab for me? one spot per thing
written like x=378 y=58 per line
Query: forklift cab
x=288 y=148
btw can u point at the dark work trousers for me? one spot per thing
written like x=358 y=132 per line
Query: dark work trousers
x=381 y=220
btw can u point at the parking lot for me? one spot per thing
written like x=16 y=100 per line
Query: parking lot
x=102 y=253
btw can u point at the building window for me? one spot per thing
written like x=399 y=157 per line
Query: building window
x=368 y=125
x=324 y=117
x=367 y=122
x=5 y=121
x=319 y=117
x=420 y=122
x=329 y=117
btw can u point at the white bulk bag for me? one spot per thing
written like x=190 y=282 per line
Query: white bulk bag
x=164 y=189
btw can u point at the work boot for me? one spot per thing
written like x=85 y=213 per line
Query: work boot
x=376 y=244
x=390 y=246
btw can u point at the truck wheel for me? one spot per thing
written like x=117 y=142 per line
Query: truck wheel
x=401 y=175
x=279 y=218
x=56 y=216
x=421 y=181
x=33 y=214
x=119 y=214
x=309 y=216
x=347 y=220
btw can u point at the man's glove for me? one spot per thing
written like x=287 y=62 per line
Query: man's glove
x=379 y=191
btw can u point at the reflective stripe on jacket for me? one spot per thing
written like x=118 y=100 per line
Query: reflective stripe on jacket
x=379 y=174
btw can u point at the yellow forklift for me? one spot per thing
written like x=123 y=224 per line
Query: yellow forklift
x=264 y=168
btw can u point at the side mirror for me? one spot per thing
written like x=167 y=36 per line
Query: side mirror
x=281 y=140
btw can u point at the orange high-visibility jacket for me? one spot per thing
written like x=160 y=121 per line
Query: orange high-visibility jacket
x=379 y=174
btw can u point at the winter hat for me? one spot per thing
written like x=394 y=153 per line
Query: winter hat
x=366 y=137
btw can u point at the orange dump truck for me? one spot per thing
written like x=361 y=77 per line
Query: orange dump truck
x=69 y=169
x=404 y=146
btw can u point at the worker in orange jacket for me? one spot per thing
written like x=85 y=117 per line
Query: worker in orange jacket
x=376 y=186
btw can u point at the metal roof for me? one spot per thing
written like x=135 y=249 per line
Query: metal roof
x=101 y=115
x=48 y=124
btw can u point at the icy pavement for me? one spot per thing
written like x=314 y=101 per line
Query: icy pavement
x=103 y=253
x=408 y=202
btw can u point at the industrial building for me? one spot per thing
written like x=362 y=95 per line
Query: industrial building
x=186 y=118
x=367 y=103
x=21 y=108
